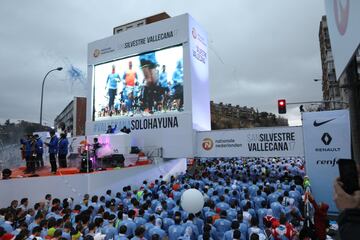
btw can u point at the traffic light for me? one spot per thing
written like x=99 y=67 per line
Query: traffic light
x=282 y=106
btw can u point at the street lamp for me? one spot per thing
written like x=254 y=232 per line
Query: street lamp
x=42 y=90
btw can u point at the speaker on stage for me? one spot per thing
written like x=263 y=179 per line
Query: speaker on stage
x=86 y=165
x=134 y=150
x=117 y=160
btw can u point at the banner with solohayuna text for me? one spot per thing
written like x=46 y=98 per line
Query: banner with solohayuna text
x=326 y=138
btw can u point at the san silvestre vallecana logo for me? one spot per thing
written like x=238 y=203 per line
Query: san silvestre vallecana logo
x=341 y=12
x=193 y=32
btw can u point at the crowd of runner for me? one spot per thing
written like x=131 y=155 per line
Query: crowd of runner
x=244 y=199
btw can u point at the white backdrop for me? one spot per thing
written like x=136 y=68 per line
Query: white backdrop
x=326 y=137
x=119 y=143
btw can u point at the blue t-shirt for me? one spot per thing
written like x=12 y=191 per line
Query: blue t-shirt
x=178 y=77
x=112 y=80
x=163 y=79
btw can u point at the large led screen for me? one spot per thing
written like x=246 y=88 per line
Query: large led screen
x=141 y=85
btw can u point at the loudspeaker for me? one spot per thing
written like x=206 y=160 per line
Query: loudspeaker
x=134 y=150
x=84 y=165
x=117 y=160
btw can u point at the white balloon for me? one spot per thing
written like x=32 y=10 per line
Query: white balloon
x=192 y=200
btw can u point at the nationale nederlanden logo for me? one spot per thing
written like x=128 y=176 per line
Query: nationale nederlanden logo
x=96 y=53
x=341 y=13
x=207 y=144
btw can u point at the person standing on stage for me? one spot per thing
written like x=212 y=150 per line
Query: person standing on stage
x=39 y=149
x=27 y=145
x=111 y=85
x=63 y=150
x=95 y=148
x=110 y=129
x=33 y=154
x=53 y=149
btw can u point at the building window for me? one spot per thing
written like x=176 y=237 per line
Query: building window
x=331 y=65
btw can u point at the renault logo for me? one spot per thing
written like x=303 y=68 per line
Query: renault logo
x=326 y=139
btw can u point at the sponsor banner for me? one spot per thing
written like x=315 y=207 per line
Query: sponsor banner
x=343 y=20
x=326 y=138
x=171 y=132
x=168 y=32
x=163 y=121
x=199 y=73
x=259 y=142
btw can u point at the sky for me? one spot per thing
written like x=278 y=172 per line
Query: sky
x=259 y=50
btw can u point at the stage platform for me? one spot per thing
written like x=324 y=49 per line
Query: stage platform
x=46 y=170
x=77 y=184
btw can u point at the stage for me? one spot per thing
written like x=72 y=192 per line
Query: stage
x=72 y=169
x=77 y=184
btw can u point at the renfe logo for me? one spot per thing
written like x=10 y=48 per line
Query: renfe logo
x=327 y=162
x=207 y=144
x=341 y=15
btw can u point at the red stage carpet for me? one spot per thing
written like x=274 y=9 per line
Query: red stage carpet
x=46 y=171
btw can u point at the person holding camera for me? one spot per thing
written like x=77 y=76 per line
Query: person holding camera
x=349 y=205
x=29 y=150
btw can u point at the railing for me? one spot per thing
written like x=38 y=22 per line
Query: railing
x=153 y=152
